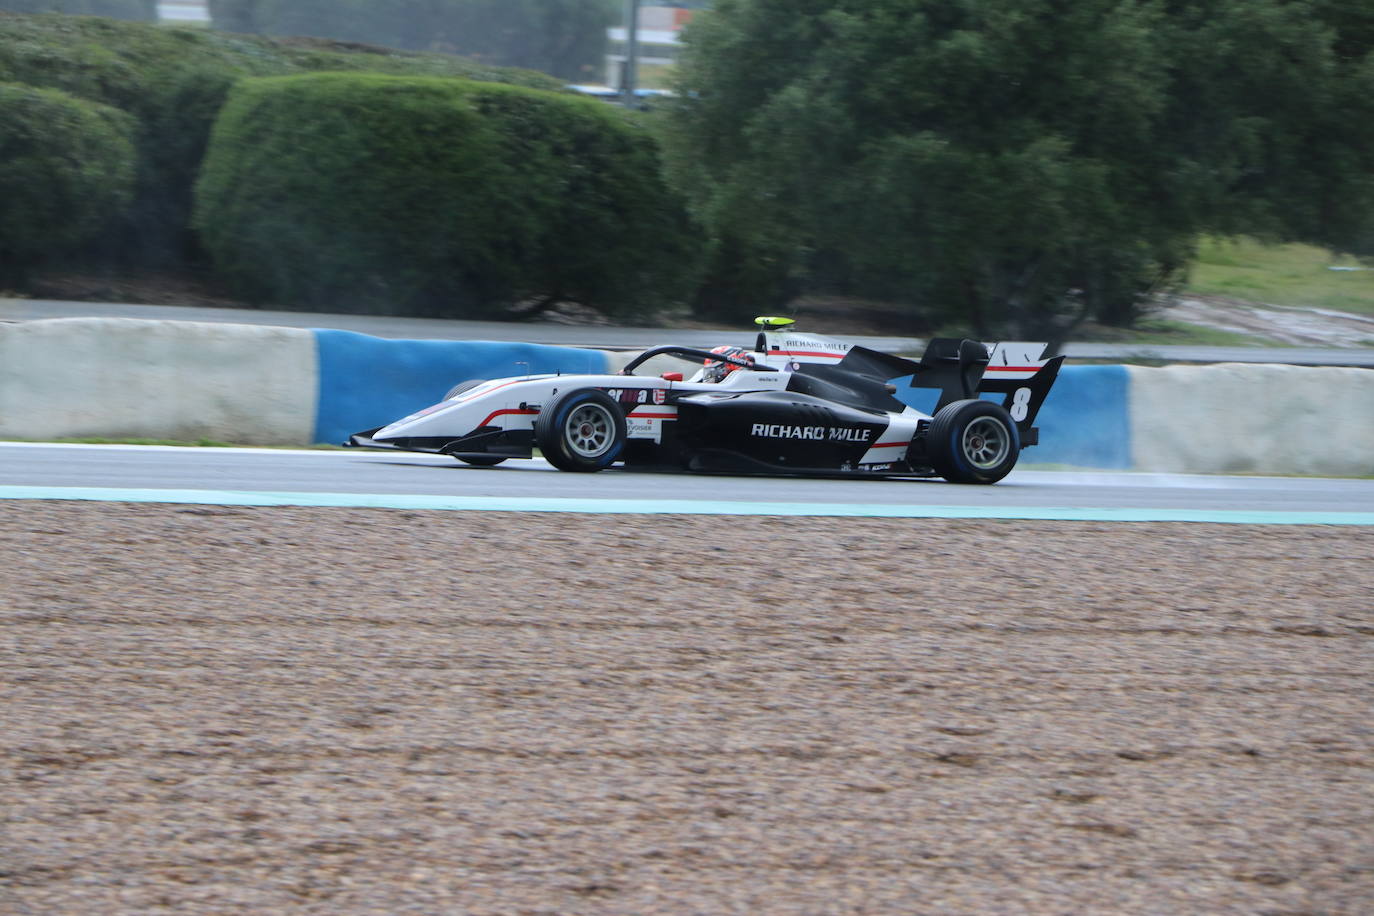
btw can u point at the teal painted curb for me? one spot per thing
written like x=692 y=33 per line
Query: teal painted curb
x=682 y=507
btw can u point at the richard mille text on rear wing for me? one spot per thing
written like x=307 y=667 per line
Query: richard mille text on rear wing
x=793 y=403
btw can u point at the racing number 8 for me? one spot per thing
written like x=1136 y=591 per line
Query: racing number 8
x=1020 y=404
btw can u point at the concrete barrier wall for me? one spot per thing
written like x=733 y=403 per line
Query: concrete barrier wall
x=124 y=378
x=1251 y=419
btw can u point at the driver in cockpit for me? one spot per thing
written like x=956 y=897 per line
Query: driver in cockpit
x=716 y=370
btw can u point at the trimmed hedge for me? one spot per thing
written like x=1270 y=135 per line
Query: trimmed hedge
x=353 y=192
x=142 y=10
x=66 y=169
x=174 y=82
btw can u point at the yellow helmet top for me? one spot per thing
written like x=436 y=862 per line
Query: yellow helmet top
x=767 y=321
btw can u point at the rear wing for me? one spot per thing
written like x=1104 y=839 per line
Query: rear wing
x=1017 y=370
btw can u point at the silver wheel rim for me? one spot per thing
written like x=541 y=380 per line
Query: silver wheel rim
x=986 y=443
x=590 y=430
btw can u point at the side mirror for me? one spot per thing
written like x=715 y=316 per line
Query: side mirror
x=671 y=376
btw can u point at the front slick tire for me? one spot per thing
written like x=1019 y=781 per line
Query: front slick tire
x=481 y=461
x=973 y=441
x=580 y=430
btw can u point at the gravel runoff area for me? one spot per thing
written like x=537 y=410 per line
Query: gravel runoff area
x=344 y=711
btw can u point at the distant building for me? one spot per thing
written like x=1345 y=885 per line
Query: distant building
x=184 y=11
x=659 y=28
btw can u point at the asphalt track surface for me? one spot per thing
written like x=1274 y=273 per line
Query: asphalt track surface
x=409 y=480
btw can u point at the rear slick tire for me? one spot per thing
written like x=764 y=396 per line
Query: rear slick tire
x=580 y=430
x=973 y=441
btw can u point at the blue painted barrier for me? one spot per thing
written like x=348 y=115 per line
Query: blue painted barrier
x=365 y=382
x=1083 y=422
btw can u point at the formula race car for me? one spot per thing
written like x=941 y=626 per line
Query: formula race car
x=794 y=404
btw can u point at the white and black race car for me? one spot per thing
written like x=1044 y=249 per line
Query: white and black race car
x=794 y=404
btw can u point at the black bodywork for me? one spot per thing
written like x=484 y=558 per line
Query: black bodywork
x=776 y=431
x=851 y=400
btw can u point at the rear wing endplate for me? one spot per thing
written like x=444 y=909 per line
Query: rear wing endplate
x=962 y=369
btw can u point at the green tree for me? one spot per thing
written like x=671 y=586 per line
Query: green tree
x=1013 y=165
x=66 y=170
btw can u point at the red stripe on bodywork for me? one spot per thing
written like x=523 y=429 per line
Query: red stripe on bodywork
x=500 y=413
x=471 y=394
x=889 y=444
x=811 y=353
x=653 y=416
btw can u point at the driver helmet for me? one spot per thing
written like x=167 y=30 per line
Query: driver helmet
x=717 y=369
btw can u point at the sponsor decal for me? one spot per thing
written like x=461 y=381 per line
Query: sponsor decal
x=644 y=428
x=803 y=343
x=629 y=395
x=660 y=395
x=814 y=433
